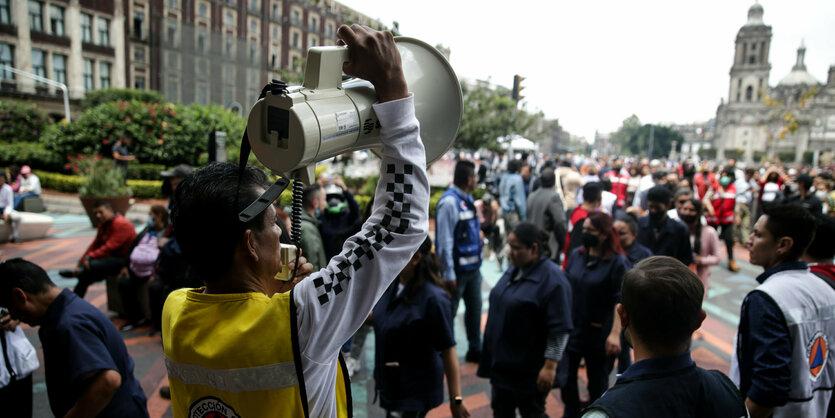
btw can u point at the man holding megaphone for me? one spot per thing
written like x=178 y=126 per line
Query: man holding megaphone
x=235 y=348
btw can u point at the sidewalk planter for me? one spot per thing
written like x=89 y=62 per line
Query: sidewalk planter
x=120 y=204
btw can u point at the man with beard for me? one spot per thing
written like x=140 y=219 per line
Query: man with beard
x=659 y=233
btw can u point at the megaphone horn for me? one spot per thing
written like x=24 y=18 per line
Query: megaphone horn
x=292 y=129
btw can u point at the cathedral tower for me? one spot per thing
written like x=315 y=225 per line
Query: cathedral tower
x=750 y=70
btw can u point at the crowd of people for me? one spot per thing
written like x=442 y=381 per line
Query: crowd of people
x=599 y=256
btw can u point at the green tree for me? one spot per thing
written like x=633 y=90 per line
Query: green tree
x=633 y=138
x=490 y=114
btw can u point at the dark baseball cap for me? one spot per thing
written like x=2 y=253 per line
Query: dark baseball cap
x=180 y=171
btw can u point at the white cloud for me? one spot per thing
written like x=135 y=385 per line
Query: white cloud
x=593 y=63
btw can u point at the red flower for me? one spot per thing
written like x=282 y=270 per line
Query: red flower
x=98 y=157
x=79 y=155
x=153 y=112
x=69 y=157
x=105 y=141
x=67 y=166
x=127 y=119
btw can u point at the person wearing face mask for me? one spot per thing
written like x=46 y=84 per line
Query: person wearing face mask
x=703 y=238
x=595 y=271
x=140 y=266
x=721 y=212
x=313 y=201
x=528 y=327
x=659 y=233
x=805 y=197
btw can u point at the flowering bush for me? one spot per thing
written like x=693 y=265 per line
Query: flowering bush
x=99 y=177
x=21 y=122
x=160 y=133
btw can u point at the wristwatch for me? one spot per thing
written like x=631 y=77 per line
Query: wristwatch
x=458 y=400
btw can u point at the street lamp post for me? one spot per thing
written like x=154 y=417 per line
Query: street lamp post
x=44 y=80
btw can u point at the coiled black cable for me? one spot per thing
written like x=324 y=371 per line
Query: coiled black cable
x=296 y=220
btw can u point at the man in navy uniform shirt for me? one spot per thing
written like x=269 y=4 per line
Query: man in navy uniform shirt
x=88 y=370
x=782 y=362
x=661 y=307
x=659 y=233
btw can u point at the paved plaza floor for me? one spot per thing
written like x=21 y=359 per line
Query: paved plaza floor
x=70 y=235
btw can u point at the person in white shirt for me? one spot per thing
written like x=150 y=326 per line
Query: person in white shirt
x=7 y=212
x=30 y=185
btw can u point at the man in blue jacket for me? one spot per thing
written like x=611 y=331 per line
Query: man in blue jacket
x=458 y=244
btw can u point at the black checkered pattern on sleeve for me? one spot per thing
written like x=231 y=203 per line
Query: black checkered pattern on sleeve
x=334 y=279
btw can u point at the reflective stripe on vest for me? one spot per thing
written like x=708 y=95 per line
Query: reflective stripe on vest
x=808 y=305
x=468 y=260
x=270 y=377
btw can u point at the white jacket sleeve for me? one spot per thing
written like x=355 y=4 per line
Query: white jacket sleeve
x=333 y=302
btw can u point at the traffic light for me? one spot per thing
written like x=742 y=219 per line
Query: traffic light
x=517 y=87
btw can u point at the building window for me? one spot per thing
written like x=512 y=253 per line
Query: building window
x=314 y=24
x=59 y=68
x=329 y=30
x=749 y=93
x=56 y=20
x=139 y=54
x=253 y=53
x=202 y=10
x=173 y=4
x=201 y=66
x=171 y=31
x=202 y=40
x=139 y=83
x=752 y=59
x=202 y=95
x=275 y=32
x=86 y=28
x=139 y=25
x=5 y=13
x=276 y=11
x=253 y=6
x=253 y=26
x=295 y=40
x=313 y=41
x=87 y=74
x=229 y=19
x=104 y=75
x=172 y=91
x=6 y=58
x=230 y=46
x=38 y=62
x=104 y=31
x=273 y=60
x=295 y=18
x=35 y=15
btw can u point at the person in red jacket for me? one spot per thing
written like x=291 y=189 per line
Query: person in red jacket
x=106 y=254
x=620 y=182
x=723 y=201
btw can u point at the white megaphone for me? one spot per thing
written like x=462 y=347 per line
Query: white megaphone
x=290 y=129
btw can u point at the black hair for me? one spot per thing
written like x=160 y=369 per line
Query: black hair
x=683 y=191
x=547 y=179
x=426 y=271
x=592 y=192
x=102 y=203
x=822 y=246
x=606 y=184
x=663 y=301
x=206 y=212
x=697 y=242
x=804 y=181
x=630 y=220
x=660 y=194
x=22 y=274
x=310 y=194
x=793 y=221
x=463 y=171
x=529 y=234
x=513 y=166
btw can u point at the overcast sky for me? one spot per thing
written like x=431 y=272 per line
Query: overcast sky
x=592 y=63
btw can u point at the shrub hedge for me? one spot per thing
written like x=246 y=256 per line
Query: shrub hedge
x=70 y=184
x=21 y=122
x=32 y=154
x=97 y=97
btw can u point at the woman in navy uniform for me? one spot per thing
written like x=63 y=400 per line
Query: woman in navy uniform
x=595 y=271
x=413 y=334
x=528 y=326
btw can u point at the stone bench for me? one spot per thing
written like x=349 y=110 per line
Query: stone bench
x=32 y=226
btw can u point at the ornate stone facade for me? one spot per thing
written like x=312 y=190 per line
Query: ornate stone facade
x=794 y=120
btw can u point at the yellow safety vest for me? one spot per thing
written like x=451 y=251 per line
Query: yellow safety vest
x=236 y=355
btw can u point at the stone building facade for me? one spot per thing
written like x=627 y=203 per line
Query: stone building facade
x=206 y=51
x=794 y=120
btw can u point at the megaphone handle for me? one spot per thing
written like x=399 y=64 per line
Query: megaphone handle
x=296 y=219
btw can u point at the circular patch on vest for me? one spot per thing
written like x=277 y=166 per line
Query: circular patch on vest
x=211 y=407
x=817 y=351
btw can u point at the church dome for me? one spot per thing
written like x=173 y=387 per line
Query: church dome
x=799 y=76
x=755 y=15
